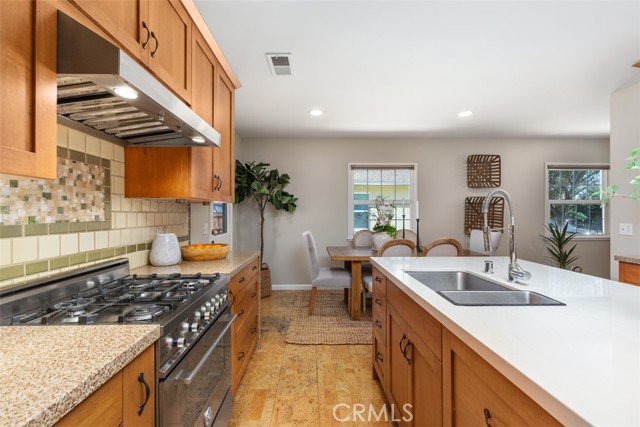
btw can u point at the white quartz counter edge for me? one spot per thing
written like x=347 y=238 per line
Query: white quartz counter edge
x=581 y=362
x=45 y=371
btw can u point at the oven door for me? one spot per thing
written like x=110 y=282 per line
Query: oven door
x=196 y=392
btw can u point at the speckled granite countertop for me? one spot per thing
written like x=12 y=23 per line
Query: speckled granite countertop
x=46 y=371
x=234 y=262
x=631 y=259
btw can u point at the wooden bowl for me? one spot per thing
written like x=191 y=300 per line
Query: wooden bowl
x=204 y=252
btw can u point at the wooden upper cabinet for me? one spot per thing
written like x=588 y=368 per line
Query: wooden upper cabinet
x=156 y=32
x=28 y=88
x=224 y=157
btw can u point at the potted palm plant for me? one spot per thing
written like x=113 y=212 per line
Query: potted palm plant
x=558 y=242
x=266 y=187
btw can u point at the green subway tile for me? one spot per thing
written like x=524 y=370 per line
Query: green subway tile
x=94 y=256
x=149 y=245
x=36 y=229
x=11 y=272
x=121 y=250
x=105 y=225
x=76 y=227
x=10 y=231
x=93 y=160
x=107 y=212
x=77 y=156
x=131 y=248
x=59 y=228
x=108 y=253
x=106 y=163
x=107 y=196
x=142 y=246
x=63 y=152
x=93 y=226
x=37 y=267
x=56 y=263
x=107 y=177
x=78 y=259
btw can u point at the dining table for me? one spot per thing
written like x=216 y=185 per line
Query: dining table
x=353 y=257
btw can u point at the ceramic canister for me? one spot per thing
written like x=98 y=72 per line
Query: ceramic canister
x=165 y=250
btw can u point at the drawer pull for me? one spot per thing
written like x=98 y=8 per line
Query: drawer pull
x=378 y=279
x=147 y=393
x=379 y=356
x=254 y=268
x=232 y=297
x=378 y=324
x=487 y=418
x=240 y=355
x=241 y=280
x=241 y=312
x=253 y=330
x=379 y=302
x=253 y=295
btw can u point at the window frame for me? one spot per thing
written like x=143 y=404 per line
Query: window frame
x=577 y=166
x=413 y=190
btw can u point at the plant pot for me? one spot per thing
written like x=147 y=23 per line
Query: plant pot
x=379 y=239
x=265 y=280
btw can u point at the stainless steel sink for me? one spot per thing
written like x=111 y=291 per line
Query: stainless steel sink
x=463 y=288
x=454 y=281
x=504 y=297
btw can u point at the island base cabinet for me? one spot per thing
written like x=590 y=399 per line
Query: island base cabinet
x=476 y=394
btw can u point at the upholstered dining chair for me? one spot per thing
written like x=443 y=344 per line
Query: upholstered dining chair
x=362 y=238
x=323 y=277
x=408 y=234
x=445 y=246
x=395 y=247
x=476 y=242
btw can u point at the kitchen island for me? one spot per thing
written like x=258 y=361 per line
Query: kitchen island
x=580 y=362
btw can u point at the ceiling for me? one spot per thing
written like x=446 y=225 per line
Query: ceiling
x=407 y=68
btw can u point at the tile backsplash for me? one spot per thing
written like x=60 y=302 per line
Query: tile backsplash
x=82 y=217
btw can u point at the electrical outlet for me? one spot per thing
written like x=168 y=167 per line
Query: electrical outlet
x=626 y=229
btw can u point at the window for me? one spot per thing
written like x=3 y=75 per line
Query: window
x=570 y=198
x=394 y=182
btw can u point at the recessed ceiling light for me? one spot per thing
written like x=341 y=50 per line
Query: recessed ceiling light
x=197 y=139
x=125 y=92
x=466 y=113
x=315 y=112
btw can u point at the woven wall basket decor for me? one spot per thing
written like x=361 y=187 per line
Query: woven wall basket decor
x=483 y=171
x=473 y=218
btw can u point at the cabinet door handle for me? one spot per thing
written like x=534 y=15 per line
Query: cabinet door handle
x=154 y=51
x=379 y=301
x=378 y=323
x=404 y=337
x=240 y=355
x=378 y=279
x=406 y=348
x=146 y=42
x=146 y=391
x=379 y=356
x=241 y=312
x=232 y=297
x=241 y=280
x=487 y=418
x=220 y=183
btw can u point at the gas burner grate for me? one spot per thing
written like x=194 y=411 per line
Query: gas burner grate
x=145 y=313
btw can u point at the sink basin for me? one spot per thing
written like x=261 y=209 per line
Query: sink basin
x=502 y=297
x=454 y=281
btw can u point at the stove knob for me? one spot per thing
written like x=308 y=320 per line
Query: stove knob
x=179 y=342
x=203 y=309
x=194 y=327
x=208 y=304
x=207 y=316
x=185 y=327
x=217 y=306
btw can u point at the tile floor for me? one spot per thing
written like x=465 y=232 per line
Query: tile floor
x=300 y=385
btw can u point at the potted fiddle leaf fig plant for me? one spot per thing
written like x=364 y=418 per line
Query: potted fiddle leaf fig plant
x=266 y=187
x=558 y=248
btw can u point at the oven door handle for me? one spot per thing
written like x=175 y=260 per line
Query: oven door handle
x=228 y=319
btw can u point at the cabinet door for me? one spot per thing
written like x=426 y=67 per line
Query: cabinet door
x=126 y=21
x=135 y=393
x=170 y=45
x=425 y=383
x=28 y=88
x=397 y=365
x=224 y=158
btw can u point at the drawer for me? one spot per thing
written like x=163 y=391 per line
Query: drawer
x=244 y=276
x=379 y=283
x=379 y=324
x=379 y=357
x=477 y=389
x=425 y=326
x=246 y=302
x=103 y=407
x=629 y=273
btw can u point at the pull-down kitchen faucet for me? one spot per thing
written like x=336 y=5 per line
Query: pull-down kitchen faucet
x=515 y=271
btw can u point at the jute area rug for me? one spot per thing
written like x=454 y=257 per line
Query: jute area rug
x=330 y=322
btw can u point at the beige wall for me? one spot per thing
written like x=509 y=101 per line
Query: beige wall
x=318 y=170
x=625 y=136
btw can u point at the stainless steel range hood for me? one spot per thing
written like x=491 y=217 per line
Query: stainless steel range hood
x=104 y=92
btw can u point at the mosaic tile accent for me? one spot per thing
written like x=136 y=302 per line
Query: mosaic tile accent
x=77 y=195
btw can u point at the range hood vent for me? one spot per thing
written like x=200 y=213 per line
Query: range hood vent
x=102 y=91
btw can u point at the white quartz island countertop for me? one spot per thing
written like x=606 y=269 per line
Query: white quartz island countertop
x=581 y=361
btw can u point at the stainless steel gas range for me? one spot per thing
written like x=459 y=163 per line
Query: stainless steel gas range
x=192 y=357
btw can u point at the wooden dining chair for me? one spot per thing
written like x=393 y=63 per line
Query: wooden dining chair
x=409 y=235
x=445 y=246
x=323 y=277
x=392 y=248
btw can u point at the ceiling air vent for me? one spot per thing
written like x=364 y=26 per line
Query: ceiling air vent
x=280 y=64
